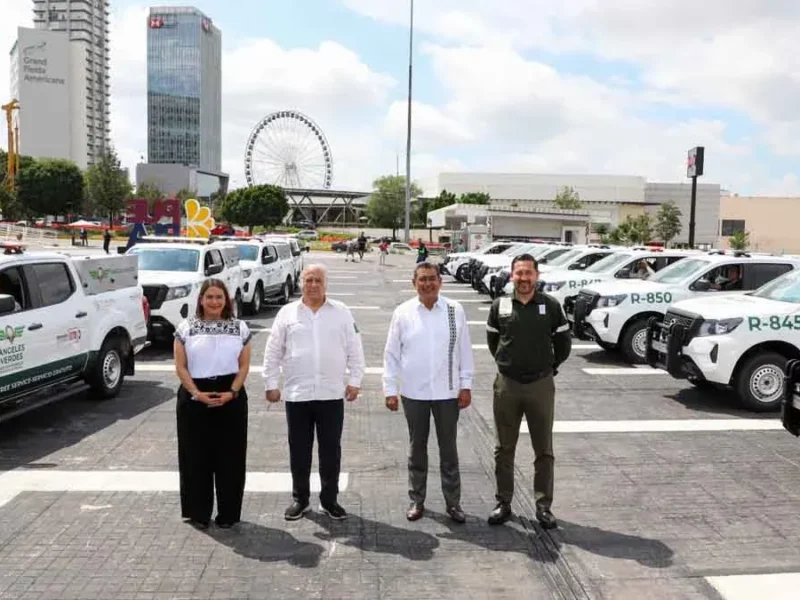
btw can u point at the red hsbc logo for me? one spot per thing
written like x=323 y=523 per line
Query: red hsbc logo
x=156 y=23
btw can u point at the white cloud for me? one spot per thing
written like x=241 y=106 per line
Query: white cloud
x=431 y=129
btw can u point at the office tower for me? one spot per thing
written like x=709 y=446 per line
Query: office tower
x=184 y=89
x=85 y=24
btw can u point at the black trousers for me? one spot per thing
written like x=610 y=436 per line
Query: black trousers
x=212 y=451
x=327 y=418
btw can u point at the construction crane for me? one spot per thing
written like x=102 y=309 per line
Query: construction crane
x=12 y=171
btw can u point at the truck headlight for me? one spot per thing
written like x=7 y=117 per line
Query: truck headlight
x=611 y=301
x=553 y=286
x=719 y=326
x=246 y=273
x=180 y=291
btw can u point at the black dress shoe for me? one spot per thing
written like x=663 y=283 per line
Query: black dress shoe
x=224 y=524
x=457 y=514
x=334 y=511
x=414 y=512
x=546 y=518
x=500 y=514
x=296 y=511
x=201 y=525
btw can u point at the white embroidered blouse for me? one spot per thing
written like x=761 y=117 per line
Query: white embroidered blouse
x=213 y=347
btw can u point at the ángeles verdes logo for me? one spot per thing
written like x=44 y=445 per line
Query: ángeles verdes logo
x=9 y=333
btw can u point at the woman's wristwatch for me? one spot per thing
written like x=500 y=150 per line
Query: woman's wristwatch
x=235 y=393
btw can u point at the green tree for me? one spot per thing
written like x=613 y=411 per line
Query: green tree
x=740 y=240
x=387 y=204
x=603 y=230
x=639 y=228
x=425 y=205
x=668 y=222
x=185 y=194
x=107 y=185
x=50 y=187
x=475 y=198
x=567 y=199
x=258 y=205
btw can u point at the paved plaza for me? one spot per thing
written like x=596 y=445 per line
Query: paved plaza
x=662 y=491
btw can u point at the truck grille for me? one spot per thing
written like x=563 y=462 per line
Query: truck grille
x=688 y=322
x=155 y=295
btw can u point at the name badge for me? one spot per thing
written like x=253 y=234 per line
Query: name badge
x=542 y=309
x=505 y=307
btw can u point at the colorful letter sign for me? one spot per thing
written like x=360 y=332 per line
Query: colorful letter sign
x=165 y=218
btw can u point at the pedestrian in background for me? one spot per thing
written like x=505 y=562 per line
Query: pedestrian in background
x=428 y=362
x=212 y=360
x=422 y=251
x=384 y=249
x=107 y=240
x=315 y=342
x=529 y=337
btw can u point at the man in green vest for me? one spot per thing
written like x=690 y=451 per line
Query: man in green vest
x=529 y=337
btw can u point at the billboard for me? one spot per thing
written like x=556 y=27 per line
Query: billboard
x=694 y=163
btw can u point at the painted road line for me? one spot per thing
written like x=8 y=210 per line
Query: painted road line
x=613 y=371
x=574 y=346
x=15 y=482
x=354 y=307
x=476 y=323
x=167 y=367
x=339 y=293
x=663 y=426
x=445 y=292
x=775 y=586
x=337 y=277
x=480 y=346
x=484 y=308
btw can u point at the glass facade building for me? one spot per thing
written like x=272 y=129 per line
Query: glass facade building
x=184 y=89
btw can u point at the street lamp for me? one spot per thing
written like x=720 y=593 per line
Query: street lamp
x=408 y=131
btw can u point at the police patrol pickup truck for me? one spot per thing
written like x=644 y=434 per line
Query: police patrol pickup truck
x=615 y=314
x=65 y=321
x=623 y=264
x=741 y=341
x=456 y=263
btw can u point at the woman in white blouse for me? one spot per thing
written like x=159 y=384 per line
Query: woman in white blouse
x=212 y=359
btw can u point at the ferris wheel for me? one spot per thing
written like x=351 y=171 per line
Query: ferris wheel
x=288 y=149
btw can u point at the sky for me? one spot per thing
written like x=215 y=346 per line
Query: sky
x=578 y=86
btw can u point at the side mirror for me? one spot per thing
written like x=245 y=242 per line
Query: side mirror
x=213 y=270
x=701 y=285
x=7 y=304
x=576 y=267
x=623 y=273
x=267 y=260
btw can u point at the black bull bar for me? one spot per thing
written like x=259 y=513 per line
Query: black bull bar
x=665 y=345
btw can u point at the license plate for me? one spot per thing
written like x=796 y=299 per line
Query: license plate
x=660 y=346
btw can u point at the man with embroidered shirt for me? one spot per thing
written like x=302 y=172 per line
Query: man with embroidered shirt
x=529 y=337
x=315 y=342
x=428 y=350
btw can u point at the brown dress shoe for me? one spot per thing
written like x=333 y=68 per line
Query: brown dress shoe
x=415 y=511
x=457 y=514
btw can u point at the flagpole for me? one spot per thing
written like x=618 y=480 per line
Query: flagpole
x=408 y=132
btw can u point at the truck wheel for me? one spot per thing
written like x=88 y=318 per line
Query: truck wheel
x=108 y=372
x=461 y=274
x=759 y=383
x=238 y=305
x=285 y=291
x=258 y=300
x=634 y=342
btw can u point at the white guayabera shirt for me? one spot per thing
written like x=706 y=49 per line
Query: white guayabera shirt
x=428 y=354
x=314 y=351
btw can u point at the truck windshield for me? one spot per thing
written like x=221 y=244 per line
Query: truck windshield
x=783 y=289
x=677 y=272
x=608 y=263
x=247 y=252
x=564 y=259
x=167 y=259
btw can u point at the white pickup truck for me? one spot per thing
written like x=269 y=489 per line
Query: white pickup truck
x=741 y=341
x=65 y=321
x=616 y=314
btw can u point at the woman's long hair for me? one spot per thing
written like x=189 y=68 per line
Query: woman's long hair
x=227 y=310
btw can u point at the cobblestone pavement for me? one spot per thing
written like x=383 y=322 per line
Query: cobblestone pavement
x=89 y=509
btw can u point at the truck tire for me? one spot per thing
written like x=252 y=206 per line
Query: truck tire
x=759 y=383
x=108 y=372
x=286 y=293
x=258 y=300
x=238 y=305
x=461 y=273
x=633 y=342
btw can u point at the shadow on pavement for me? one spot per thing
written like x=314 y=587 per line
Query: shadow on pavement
x=645 y=551
x=498 y=538
x=716 y=401
x=602 y=358
x=268 y=545
x=373 y=536
x=40 y=432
